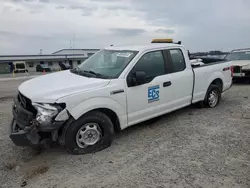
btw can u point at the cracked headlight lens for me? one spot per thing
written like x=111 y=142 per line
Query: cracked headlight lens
x=45 y=113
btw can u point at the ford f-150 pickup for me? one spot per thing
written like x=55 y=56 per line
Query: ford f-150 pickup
x=117 y=87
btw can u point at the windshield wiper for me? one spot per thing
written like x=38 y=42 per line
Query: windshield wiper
x=94 y=73
x=75 y=70
x=87 y=73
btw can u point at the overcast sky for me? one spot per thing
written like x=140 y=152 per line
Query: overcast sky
x=26 y=26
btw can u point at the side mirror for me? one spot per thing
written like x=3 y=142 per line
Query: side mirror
x=140 y=77
x=137 y=78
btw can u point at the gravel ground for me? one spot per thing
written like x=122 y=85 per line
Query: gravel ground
x=8 y=88
x=187 y=148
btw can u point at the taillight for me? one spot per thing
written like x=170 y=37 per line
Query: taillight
x=232 y=71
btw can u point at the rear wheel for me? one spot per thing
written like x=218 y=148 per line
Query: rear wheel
x=90 y=133
x=213 y=97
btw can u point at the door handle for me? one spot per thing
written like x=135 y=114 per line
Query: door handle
x=166 y=84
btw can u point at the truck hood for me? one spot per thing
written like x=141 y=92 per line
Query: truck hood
x=50 y=87
x=245 y=64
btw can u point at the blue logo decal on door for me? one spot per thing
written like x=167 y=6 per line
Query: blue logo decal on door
x=153 y=93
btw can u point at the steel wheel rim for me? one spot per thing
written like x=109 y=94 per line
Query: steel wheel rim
x=89 y=134
x=213 y=98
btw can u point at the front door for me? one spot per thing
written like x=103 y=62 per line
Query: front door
x=148 y=100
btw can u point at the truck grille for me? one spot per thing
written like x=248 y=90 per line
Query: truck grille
x=237 y=69
x=26 y=103
x=247 y=72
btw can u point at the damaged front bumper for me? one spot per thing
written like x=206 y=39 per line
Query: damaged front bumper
x=32 y=135
x=25 y=131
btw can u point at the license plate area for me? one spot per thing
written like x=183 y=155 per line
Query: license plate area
x=239 y=74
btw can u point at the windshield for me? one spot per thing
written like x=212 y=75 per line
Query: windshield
x=238 y=56
x=106 y=63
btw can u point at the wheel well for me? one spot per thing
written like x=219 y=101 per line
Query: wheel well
x=218 y=82
x=113 y=117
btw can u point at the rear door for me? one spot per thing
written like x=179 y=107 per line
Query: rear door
x=181 y=78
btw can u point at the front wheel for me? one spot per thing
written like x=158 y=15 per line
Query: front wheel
x=213 y=97
x=90 y=133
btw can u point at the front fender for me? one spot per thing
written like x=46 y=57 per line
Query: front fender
x=99 y=102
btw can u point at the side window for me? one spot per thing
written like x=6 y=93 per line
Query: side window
x=178 y=60
x=152 y=64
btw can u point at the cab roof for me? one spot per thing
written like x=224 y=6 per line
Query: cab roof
x=144 y=47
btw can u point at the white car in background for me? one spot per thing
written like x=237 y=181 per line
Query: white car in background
x=117 y=87
x=240 y=60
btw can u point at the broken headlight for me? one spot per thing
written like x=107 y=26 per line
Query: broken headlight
x=46 y=113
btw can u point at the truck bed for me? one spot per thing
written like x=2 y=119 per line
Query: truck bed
x=208 y=63
x=205 y=74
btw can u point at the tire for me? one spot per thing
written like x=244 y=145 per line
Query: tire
x=106 y=130
x=207 y=102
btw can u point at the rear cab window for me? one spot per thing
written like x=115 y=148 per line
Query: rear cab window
x=177 y=59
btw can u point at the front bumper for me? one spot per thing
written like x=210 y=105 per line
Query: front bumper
x=18 y=137
x=22 y=137
x=241 y=75
x=239 y=72
x=24 y=131
x=31 y=135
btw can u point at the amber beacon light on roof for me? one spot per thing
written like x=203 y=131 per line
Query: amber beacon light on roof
x=165 y=41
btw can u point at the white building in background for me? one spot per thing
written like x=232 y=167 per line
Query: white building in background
x=72 y=57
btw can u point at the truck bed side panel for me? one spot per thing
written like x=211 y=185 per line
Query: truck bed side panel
x=206 y=74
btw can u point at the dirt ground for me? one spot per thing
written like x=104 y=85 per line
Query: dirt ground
x=188 y=148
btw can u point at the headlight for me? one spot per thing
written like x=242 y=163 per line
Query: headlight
x=45 y=113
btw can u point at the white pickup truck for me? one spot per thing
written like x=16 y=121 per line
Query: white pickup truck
x=117 y=87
